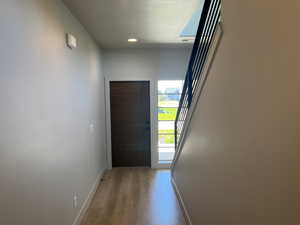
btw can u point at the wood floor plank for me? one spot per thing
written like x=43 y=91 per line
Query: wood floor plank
x=135 y=196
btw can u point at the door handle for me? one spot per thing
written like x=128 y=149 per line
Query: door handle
x=148 y=125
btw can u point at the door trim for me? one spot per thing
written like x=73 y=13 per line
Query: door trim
x=153 y=120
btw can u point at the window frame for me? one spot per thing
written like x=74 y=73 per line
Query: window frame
x=158 y=107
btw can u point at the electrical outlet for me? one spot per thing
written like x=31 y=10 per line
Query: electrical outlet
x=71 y=41
x=75 y=201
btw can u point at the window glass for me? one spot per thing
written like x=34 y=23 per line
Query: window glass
x=166 y=154
x=166 y=127
x=169 y=94
x=168 y=100
x=170 y=87
x=167 y=113
x=166 y=140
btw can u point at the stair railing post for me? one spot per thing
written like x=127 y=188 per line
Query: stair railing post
x=175 y=135
x=190 y=87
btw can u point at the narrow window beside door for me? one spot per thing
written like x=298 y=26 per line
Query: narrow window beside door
x=169 y=93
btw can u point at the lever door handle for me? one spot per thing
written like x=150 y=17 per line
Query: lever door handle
x=148 y=125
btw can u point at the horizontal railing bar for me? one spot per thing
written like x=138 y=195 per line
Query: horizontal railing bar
x=166 y=147
x=168 y=94
x=168 y=107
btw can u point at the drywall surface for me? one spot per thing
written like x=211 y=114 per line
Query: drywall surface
x=164 y=63
x=144 y=64
x=241 y=161
x=49 y=97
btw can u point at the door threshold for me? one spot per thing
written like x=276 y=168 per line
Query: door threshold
x=163 y=165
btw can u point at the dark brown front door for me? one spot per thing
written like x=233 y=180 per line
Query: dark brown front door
x=130 y=123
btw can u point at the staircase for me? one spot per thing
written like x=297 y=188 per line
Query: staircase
x=198 y=64
x=237 y=141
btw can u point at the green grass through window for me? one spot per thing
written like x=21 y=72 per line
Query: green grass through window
x=166 y=139
x=167 y=113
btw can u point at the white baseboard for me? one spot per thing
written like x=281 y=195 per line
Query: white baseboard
x=181 y=203
x=88 y=200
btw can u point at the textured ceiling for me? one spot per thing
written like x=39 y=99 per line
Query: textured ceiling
x=153 y=22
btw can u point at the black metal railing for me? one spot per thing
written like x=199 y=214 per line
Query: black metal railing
x=207 y=27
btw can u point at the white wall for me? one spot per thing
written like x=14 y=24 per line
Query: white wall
x=145 y=64
x=240 y=163
x=49 y=95
x=164 y=63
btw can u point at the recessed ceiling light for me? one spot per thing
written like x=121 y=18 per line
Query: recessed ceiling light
x=132 y=40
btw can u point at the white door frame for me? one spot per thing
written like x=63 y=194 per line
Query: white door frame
x=153 y=121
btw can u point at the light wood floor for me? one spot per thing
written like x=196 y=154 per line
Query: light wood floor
x=135 y=196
